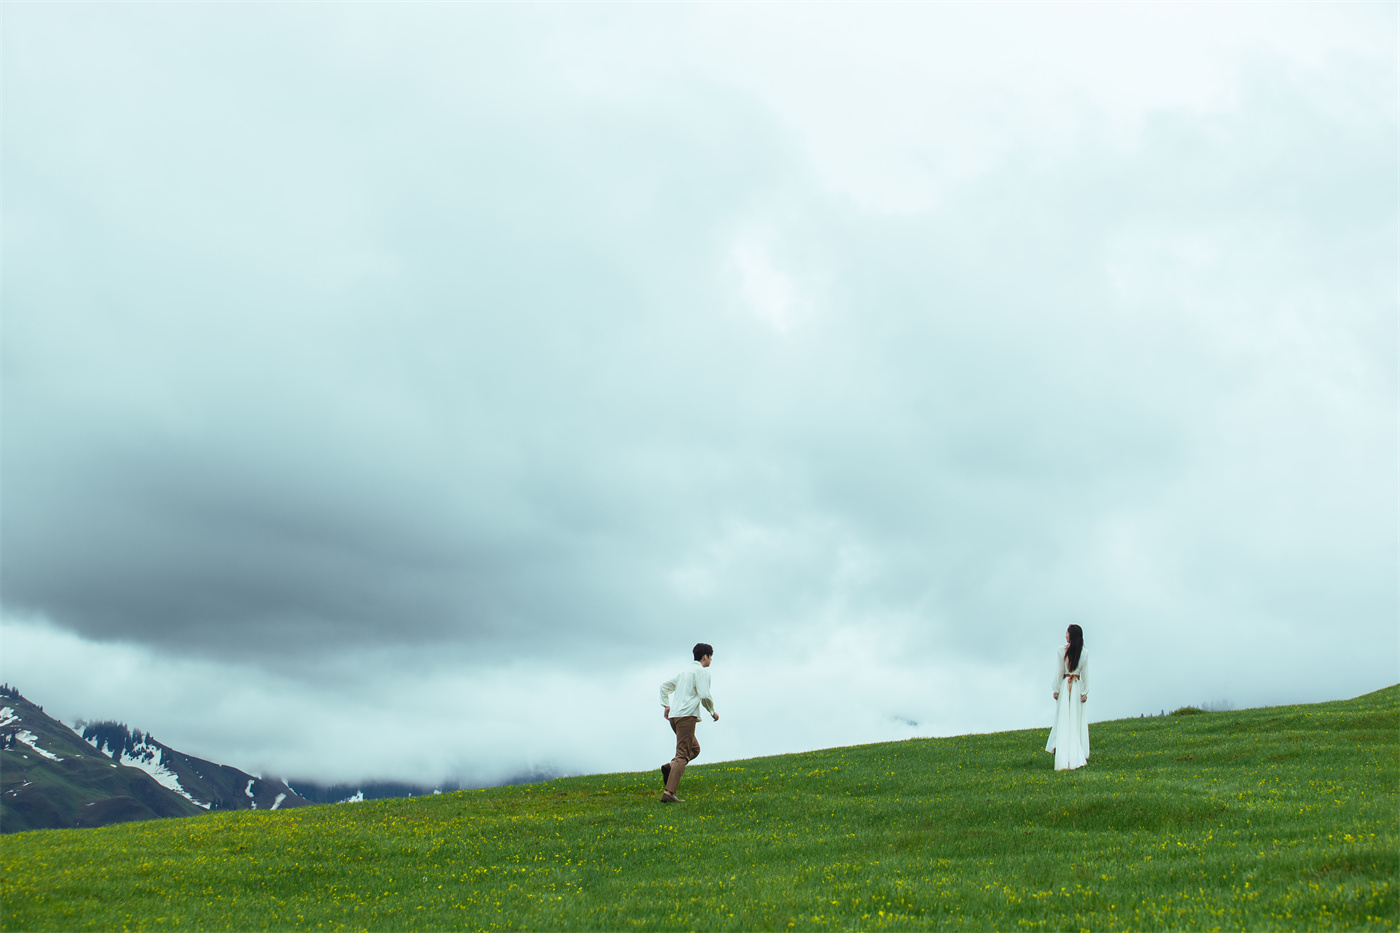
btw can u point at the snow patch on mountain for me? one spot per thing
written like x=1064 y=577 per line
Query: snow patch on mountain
x=152 y=760
x=135 y=749
x=8 y=716
x=359 y=797
x=278 y=802
x=32 y=740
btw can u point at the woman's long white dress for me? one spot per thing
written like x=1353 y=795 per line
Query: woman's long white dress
x=1069 y=736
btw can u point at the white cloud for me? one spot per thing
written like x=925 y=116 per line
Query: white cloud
x=766 y=289
x=897 y=107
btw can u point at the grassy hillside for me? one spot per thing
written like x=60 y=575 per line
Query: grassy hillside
x=1279 y=818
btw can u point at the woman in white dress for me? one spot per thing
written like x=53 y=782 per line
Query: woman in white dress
x=1069 y=736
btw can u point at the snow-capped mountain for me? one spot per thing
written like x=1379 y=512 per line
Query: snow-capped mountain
x=49 y=777
x=203 y=783
x=96 y=773
x=53 y=776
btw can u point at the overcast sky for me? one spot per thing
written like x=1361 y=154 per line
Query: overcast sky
x=400 y=390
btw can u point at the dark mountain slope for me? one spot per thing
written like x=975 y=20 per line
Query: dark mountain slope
x=51 y=778
x=211 y=786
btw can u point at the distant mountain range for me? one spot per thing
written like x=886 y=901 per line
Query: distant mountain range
x=95 y=773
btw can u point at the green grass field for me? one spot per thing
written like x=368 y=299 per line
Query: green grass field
x=1267 y=819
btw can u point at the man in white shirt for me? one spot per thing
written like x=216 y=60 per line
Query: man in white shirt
x=681 y=699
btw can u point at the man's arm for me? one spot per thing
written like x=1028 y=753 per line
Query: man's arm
x=667 y=688
x=702 y=689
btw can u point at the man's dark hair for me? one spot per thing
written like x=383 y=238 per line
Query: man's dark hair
x=701 y=650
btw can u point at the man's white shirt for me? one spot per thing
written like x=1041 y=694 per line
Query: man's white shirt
x=685 y=692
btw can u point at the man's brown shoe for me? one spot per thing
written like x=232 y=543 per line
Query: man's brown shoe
x=669 y=797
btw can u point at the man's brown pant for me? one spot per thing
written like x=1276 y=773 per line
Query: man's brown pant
x=687 y=749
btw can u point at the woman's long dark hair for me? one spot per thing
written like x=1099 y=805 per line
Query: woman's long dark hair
x=1076 y=645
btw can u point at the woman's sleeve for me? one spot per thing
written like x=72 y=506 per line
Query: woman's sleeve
x=1059 y=671
x=1083 y=672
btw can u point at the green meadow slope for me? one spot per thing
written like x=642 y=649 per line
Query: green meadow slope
x=1265 y=819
